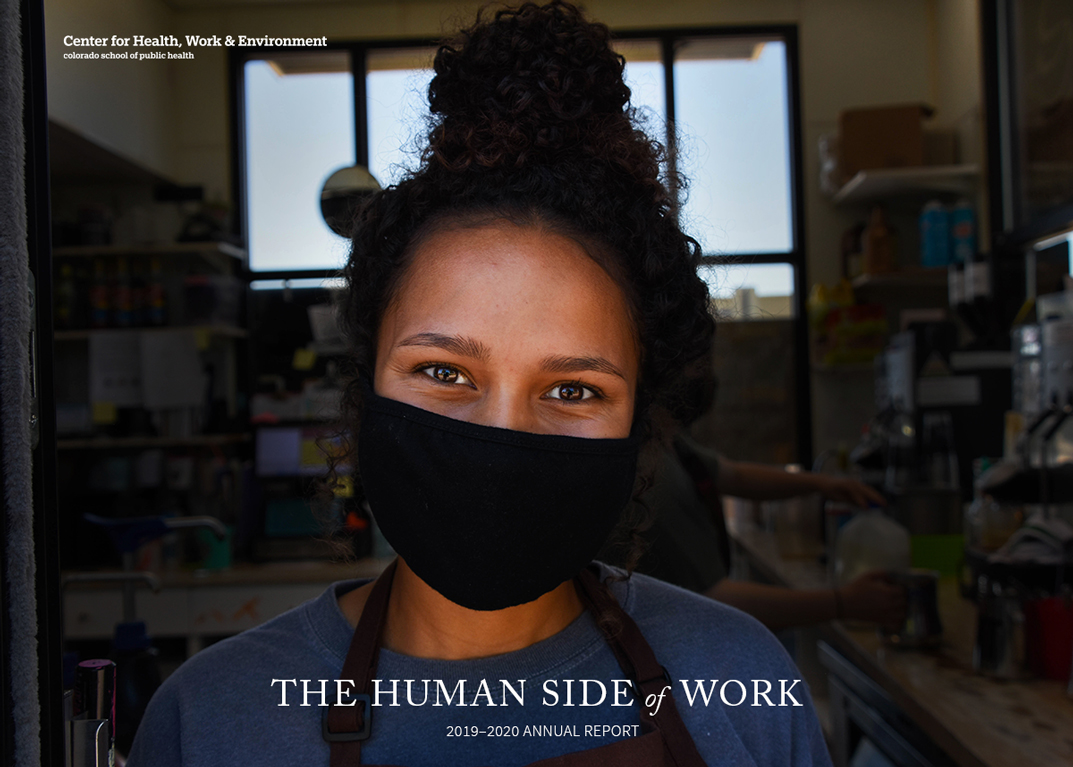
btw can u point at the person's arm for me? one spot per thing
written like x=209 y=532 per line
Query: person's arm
x=869 y=597
x=758 y=482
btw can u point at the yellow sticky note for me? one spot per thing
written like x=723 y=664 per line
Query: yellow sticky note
x=202 y=338
x=310 y=454
x=344 y=487
x=104 y=413
x=303 y=359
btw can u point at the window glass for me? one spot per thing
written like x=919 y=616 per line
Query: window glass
x=328 y=283
x=644 y=77
x=397 y=100
x=732 y=120
x=750 y=291
x=299 y=130
x=1042 y=84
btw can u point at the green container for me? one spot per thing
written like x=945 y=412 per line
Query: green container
x=937 y=552
x=217 y=552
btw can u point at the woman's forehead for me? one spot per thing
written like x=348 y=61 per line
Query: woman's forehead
x=505 y=282
x=517 y=262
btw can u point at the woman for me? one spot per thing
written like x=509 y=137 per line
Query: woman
x=526 y=323
x=688 y=544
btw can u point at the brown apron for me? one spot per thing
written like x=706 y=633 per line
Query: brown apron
x=665 y=741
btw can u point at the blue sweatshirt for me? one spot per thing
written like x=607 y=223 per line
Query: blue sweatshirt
x=733 y=683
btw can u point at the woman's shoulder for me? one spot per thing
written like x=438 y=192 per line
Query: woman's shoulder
x=256 y=670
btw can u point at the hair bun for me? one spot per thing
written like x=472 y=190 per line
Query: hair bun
x=530 y=82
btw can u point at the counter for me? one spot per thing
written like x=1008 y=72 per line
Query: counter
x=977 y=722
x=196 y=604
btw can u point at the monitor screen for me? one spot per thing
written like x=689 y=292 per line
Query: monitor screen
x=292 y=451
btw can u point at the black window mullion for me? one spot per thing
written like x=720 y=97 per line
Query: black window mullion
x=667 y=45
x=790 y=257
x=803 y=365
x=295 y=274
x=359 y=72
x=796 y=136
x=236 y=63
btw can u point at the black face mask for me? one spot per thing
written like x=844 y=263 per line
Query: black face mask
x=488 y=517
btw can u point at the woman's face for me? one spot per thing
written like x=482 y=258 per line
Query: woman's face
x=513 y=327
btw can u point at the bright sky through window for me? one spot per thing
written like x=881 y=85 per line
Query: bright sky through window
x=299 y=129
x=734 y=149
x=398 y=113
x=724 y=280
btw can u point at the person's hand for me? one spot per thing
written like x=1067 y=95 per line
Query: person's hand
x=848 y=490
x=873 y=597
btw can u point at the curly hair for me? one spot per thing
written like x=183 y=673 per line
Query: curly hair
x=531 y=122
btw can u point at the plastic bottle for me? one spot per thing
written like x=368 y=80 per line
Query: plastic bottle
x=934 y=235
x=878 y=243
x=818 y=305
x=851 y=252
x=963 y=232
x=871 y=541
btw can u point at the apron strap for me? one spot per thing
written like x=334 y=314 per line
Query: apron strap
x=346 y=726
x=637 y=660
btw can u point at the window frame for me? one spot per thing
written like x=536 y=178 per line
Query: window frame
x=668 y=39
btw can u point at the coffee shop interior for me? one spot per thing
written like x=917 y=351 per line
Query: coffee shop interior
x=883 y=192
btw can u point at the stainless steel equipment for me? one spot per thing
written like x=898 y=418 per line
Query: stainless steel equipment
x=947 y=407
x=922 y=627
x=1000 y=633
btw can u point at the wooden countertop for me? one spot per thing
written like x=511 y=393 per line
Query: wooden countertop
x=979 y=722
x=259 y=574
x=194 y=604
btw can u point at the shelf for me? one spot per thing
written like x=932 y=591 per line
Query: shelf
x=906 y=278
x=872 y=185
x=159 y=249
x=848 y=368
x=277 y=573
x=221 y=331
x=114 y=443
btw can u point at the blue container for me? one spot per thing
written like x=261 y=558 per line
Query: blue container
x=963 y=232
x=934 y=235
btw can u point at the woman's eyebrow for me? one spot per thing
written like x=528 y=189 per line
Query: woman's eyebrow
x=579 y=365
x=465 y=347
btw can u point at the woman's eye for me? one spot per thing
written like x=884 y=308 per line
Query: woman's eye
x=445 y=374
x=572 y=392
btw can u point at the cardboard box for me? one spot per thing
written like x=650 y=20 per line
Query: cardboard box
x=940 y=147
x=882 y=137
